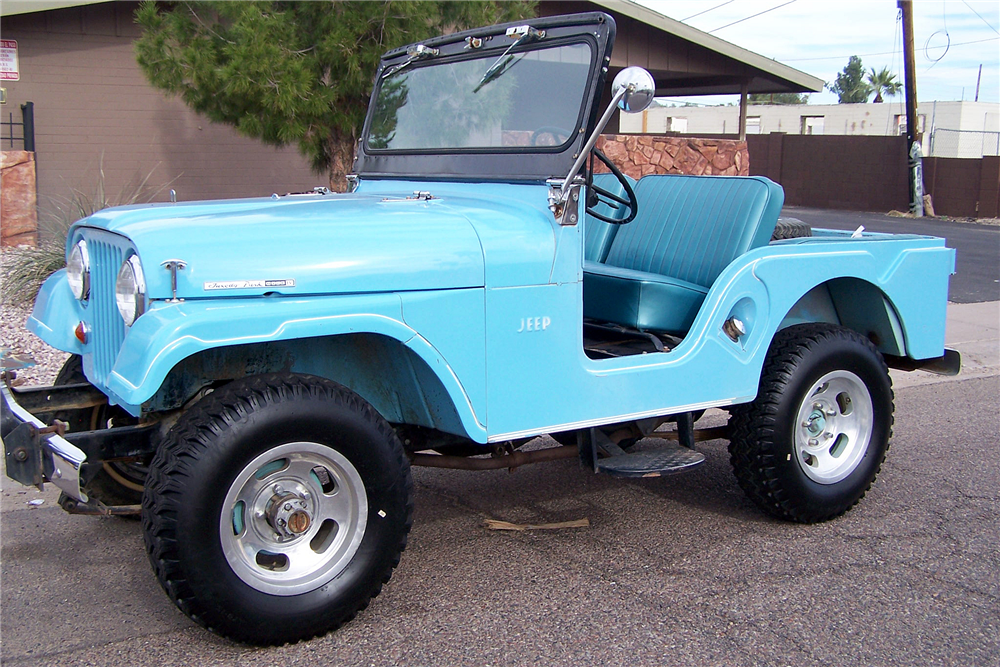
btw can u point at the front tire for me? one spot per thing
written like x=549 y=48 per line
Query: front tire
x=276 y=508
x=810 y=445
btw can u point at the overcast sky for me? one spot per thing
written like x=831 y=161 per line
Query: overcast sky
x=818 y=37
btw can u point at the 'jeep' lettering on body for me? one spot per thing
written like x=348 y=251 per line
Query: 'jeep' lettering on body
x=535 y=324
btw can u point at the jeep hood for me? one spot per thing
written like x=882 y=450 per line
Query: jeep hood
x=299 y=245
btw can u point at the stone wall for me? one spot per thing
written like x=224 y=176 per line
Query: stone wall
x=639 y=155
x=18 y=199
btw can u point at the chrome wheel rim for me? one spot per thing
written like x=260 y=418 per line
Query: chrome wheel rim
x=293 y=518
x=833 y=427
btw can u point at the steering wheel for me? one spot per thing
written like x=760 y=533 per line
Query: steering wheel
x=558 y=134
x=597 y=195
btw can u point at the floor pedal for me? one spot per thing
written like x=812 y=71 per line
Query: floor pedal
x=651 y=463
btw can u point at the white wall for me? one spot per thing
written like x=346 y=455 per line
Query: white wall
x=883 y=119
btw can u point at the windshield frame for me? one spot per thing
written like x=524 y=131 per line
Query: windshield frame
x=520 y=163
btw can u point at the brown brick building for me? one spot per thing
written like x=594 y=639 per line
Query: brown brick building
x=92 y=105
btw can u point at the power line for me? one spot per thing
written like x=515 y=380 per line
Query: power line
x=883 y=53
x=727 y=2
x=981 y=18
x=752 y=17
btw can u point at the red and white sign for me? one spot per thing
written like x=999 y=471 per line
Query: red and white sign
x=8 y=60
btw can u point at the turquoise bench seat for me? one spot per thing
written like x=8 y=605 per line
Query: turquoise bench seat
x=689 y=228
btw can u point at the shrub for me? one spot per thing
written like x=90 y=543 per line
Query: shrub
x=24 y=269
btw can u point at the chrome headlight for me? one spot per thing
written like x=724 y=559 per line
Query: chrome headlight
x=130 y=290
x=78 y=271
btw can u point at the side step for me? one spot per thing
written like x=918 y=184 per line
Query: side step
x=666 y=460
x=651 y=463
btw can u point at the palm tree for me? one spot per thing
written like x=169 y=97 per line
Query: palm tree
x=883 y=82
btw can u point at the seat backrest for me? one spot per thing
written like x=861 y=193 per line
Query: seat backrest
x=692 y=227
x=598 y=235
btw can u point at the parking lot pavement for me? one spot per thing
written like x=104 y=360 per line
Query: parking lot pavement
x=676 y=571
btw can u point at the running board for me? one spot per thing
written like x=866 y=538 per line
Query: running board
x=651 y=463
x=669 y=459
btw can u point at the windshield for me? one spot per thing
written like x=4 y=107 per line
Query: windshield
x=534 y=99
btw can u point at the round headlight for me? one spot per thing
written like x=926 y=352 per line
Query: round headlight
x=130 y=290
x=78 y=271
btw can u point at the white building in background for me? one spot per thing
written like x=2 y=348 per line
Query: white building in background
x=951 y=129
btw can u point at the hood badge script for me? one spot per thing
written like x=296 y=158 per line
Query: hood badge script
x=248 y=284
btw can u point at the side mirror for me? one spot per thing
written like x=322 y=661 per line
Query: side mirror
x=639 y=89
x=632 y=91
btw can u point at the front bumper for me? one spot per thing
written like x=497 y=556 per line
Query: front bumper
x=35 y=453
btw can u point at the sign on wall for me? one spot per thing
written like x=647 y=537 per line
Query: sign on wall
x=8 y=60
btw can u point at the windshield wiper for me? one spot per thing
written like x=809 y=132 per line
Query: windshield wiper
x=505 y=61
x=417 y=52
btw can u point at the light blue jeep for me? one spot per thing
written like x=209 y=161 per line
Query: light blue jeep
x=261 y=373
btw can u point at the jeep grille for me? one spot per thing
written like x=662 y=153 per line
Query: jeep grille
x=107 y=251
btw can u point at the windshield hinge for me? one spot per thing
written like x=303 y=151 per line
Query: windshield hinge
x=564 y=200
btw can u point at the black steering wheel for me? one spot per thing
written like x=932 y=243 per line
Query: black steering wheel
x=597 y=195
x=558 y=134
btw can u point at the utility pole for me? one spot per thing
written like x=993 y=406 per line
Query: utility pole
x=912 y=133
x=978 y=79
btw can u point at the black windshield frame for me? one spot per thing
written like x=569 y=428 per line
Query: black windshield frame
x=509 y=163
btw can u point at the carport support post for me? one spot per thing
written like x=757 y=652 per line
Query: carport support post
x=744 y=90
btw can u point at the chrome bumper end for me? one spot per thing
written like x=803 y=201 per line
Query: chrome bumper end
x=35 y=453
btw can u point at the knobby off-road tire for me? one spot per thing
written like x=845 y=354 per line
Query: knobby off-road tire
x=810 y=445
x=790 y=228
x=116 y=483
x=276 y=508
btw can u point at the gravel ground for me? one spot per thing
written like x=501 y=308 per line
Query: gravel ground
x=16 y=338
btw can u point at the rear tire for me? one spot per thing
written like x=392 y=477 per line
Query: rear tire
x=276 y=508
x=811 y=444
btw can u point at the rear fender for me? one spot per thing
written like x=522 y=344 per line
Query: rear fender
x=894 y=288
x=855 y=304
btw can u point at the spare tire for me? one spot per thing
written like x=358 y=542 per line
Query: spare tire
x=790 y=228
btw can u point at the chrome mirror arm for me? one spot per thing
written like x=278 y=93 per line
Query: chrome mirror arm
x=592 y=141
x=632 y=92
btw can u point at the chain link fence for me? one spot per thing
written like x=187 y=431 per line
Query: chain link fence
x=964 y=143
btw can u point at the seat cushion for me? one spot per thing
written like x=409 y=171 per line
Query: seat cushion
x=639 y=299
x=598 y=235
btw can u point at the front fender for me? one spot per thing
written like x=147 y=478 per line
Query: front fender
x=172 y=331
x=55 y=305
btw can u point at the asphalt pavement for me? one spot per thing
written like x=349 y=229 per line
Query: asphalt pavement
x=675 y=571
